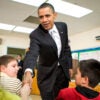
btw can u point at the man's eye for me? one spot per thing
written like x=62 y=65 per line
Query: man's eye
x=40 y=17
x=47 y=15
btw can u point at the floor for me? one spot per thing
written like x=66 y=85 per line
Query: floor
x=35 y=97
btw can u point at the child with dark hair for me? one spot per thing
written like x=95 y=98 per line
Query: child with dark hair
x=87 y=77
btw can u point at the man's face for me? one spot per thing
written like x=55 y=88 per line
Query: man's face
x=46 y=17
x=18 y=57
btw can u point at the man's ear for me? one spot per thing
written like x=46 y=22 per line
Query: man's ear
x=55 y=15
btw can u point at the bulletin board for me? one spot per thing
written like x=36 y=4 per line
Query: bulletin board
x=89 y=53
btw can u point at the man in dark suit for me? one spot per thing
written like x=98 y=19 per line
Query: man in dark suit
x=49 y=42
x=20 y=64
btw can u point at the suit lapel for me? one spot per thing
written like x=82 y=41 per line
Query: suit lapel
x=49 y=39
x=51 y=42
x=61 y=33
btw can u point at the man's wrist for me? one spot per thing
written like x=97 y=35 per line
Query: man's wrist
x=29 y=71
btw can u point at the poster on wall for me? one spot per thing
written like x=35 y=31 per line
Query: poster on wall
x=90 y=55
x=84 y=54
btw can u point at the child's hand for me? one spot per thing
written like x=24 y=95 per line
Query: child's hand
x=25 y=90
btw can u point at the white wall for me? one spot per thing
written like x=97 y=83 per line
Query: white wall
x=78 y=41
x=85 y=40
x=14 y=40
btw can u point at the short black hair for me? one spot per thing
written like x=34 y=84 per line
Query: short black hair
x=44 y=5
x=91 y=69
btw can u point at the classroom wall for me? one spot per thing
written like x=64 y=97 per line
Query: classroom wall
x=78 y=41
x=15 y=40
x=85 y=40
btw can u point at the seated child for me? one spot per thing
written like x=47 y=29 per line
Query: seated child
x=8 y=76
x=87 y=77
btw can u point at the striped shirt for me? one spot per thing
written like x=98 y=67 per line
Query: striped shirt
x=10 y=84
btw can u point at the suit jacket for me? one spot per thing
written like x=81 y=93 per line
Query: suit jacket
x=20 y=63
x=20 y=71
x=42 y=44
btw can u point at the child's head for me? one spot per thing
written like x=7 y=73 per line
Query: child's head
x=9 y=65
x=88 y=73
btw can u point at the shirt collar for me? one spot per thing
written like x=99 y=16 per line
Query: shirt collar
x=3 y=74
x=53 y=29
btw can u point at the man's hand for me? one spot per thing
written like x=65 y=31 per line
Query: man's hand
x=27 y=78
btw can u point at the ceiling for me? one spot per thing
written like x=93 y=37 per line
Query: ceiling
x=16 y=14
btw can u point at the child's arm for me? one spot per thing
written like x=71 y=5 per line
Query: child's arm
x=25 y=92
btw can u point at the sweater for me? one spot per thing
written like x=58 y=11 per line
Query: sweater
x=78 y=93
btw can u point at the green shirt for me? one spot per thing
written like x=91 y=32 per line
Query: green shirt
x=4 y=95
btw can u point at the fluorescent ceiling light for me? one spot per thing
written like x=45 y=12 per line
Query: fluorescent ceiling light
x=60 y=7
x=23 y=29
x=69 y=8
x=31 y=2
x=14 y=28
x=6 y=26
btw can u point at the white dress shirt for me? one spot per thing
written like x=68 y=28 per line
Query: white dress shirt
x=55 y=35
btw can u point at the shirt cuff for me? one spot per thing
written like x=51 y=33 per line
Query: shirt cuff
x=28 y=69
